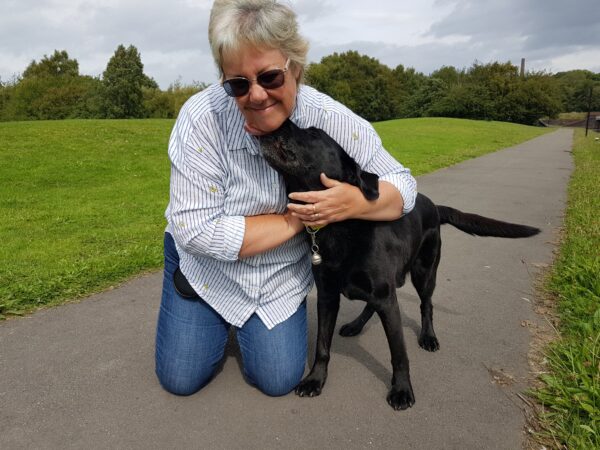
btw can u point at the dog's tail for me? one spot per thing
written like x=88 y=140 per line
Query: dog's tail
x=483 y=226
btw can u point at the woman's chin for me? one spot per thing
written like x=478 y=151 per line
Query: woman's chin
x=258 y=128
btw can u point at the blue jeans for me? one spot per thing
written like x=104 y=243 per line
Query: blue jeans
x=191 y=338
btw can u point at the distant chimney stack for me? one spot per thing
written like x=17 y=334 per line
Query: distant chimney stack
x=522 y=67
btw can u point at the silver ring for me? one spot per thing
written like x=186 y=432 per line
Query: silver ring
x=314 y=209
x=317 y=215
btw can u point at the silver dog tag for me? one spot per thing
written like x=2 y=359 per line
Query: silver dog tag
x=316 y=259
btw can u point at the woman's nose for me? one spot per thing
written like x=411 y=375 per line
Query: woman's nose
x=257 y=93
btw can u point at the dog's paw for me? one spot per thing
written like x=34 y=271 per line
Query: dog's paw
x=350 y=329
x=429 y=343
x=309 y=388
x=401 y=399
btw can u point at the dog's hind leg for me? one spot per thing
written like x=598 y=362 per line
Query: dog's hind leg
x=327 y=311
x=423 y=275
x=401 y=394
x=355 y=327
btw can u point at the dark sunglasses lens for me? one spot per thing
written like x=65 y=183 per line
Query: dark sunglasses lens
x=236 y=87
x=271 y=79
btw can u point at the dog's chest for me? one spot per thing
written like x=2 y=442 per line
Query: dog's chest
x=348 y=261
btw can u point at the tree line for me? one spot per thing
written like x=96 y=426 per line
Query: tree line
x=53 y=88
x=493 y=91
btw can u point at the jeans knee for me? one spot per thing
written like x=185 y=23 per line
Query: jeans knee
x=281 y=384
x=277 y=390
x=180 y=385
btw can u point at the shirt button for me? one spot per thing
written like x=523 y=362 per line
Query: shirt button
x=200 y=149
x=355 y=136
x=213 y=189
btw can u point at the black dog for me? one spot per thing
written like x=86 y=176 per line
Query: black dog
x=368 y=260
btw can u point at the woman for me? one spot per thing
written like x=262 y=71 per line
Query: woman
x=230 y=228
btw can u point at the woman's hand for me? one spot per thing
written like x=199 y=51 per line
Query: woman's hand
x=340 y=201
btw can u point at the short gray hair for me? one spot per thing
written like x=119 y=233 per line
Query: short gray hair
x=260 y=23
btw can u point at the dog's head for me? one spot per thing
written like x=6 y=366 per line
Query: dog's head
x=300 y=155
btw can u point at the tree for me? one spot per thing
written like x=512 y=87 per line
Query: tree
x=449 y=75
x=492 y=91
x=6 y=94
x=406 y=83
x=51 y=89
x=575 y=88
x=530 y=98
x=430 y=91
x=166 y=104
x=57 y=65
x=123 y=82
x=361 y=83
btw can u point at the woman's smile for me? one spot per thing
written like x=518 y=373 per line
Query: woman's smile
x=262 y=109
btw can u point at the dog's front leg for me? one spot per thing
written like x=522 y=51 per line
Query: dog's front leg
x=401 y=394
x=328 y=306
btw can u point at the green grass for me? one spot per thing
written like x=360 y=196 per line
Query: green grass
x=82 y=202
x=572 y=116
x=571 y=395
x=81 y=205
x=429 y=144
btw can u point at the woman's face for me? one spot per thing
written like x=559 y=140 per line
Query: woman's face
x=264 y=109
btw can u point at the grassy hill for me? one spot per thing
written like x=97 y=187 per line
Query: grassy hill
x=82 y=202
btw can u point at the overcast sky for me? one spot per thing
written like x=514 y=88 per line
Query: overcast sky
x=171 y=35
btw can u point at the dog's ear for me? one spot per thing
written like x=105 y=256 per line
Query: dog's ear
x=368 y=183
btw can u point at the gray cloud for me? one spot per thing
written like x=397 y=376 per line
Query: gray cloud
x=539 y=23
x=172 y=38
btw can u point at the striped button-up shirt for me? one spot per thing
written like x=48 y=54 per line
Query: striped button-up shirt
x=219 y=177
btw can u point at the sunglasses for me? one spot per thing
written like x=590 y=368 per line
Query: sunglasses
x=271 y=79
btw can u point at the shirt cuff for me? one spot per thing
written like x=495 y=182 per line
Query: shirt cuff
x=228 y=238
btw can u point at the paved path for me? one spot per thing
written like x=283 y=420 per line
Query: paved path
x=81 y=376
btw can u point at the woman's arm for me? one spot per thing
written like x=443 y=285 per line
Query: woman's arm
x=268 y=231
x=340 y=201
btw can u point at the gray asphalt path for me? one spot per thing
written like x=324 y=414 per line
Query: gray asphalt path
x=82 y=376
